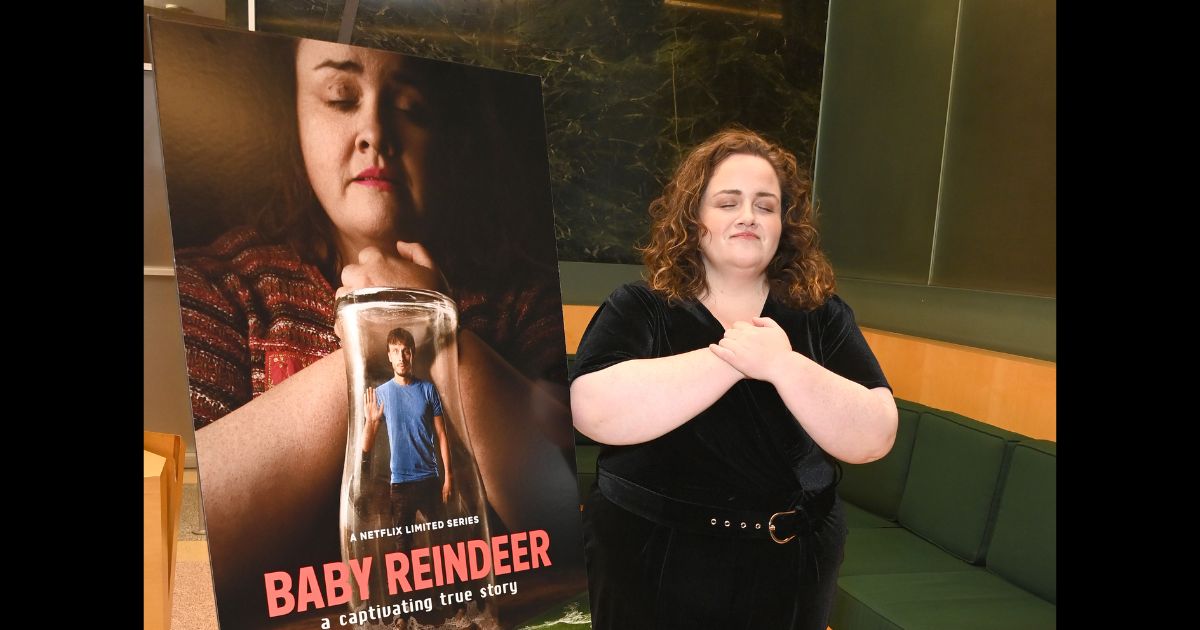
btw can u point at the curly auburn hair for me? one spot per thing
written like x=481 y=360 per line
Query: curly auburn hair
x=799 y=275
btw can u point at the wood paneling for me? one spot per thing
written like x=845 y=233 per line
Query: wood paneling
x=575 y=321
x=1012 y=392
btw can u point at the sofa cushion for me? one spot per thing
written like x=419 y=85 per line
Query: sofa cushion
x=858 y=517
x=878 y=486
x=1023 y=545
x=971 y=598
x=894 y=550
x=953 y=482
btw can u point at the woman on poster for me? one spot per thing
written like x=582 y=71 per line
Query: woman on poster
x=726 y=387
x=383 y=164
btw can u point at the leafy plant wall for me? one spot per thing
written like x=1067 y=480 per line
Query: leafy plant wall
x=628 y=86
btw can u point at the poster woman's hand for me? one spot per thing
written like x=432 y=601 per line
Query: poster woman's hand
x=409 y=266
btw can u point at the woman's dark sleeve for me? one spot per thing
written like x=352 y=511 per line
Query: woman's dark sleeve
x=623 y=328
x=844 y=350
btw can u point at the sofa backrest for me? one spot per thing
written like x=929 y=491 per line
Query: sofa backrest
x=954 y=481
x=879 y=485
x=1023 y=545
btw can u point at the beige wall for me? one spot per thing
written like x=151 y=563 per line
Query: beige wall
x=165 y=405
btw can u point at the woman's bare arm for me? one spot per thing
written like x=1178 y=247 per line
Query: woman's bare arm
x=265 y=466
x=638 y=400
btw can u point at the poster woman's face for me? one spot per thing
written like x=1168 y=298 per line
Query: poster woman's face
x=365 y=133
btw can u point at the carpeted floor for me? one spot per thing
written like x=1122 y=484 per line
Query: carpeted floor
x=192 y=605
x=190 y=527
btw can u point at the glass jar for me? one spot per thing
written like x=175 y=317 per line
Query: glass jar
x=383 y=509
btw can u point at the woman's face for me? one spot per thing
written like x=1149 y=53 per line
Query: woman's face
x=741 y=211
x=365 y=133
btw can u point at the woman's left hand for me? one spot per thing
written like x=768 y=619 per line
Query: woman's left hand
x=759 y=348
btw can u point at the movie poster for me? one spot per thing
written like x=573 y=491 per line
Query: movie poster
x=369 y=294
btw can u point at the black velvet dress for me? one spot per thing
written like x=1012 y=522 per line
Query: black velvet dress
x=745 y=452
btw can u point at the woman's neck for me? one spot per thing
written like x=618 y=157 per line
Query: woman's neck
x=733 y=298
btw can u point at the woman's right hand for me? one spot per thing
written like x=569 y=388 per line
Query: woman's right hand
x=408 y=267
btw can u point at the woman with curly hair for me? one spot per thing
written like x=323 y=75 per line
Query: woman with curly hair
x=725 y=388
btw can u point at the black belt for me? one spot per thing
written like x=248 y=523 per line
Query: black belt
x=802 y=517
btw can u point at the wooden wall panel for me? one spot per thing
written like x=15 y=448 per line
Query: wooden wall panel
x=1012 y=392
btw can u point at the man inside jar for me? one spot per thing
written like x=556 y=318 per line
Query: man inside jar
x=412 y=410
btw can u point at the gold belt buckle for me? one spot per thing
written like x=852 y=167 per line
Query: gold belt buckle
x=771 y=527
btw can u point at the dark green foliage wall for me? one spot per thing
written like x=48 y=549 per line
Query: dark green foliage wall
x=628 y=85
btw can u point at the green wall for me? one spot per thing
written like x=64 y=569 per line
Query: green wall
x=935 y=168
x=879 y=144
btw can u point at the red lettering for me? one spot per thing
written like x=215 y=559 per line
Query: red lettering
x=437 y=565
x=308 y=592
x=279 y=593
x=480 y=569
x=362 y=570
x=397 y=572
x=539 y=540
x=337 y=583
x=420 y=565
x=456 y=562
x=518 y=551
x=500 y=555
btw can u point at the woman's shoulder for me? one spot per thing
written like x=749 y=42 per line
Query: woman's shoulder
x=635 y=292
x=242 y=267
x=240 y=248
x=834 y=304
x=834 y=319
x=833 y=309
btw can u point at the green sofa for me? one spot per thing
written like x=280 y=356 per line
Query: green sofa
x=954 y=528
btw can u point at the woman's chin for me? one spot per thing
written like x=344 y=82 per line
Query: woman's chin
x=749 y=266
x=384 y=234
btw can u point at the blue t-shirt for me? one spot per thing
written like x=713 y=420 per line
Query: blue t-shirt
x=409 y=411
